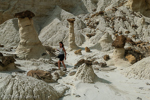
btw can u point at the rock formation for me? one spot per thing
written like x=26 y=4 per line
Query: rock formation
x=142 y=6
x=106 y=57
x=106 y=42
x=7 y=63
x=78 y=52
x=139 y=70
x=119 y=43
x=29 y=46
x=72 y=44
x=41 y=75
x=26 y=88
x=87 y=49
x=118 y=56
x=85 y=73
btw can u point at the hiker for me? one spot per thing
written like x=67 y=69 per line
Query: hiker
x=62 y=55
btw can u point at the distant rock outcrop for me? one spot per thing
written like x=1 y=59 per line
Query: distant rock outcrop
x=142 y=6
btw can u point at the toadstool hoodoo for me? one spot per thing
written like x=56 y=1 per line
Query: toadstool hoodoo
x=30 y=46
x=72 y=44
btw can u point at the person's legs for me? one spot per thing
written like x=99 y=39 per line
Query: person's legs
x=64 y=64
x=59 y=64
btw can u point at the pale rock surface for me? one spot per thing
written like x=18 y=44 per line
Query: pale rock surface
x=9 y=33
x=139 y=70
x=106 y=42
x=26 y=88
x=85 y=73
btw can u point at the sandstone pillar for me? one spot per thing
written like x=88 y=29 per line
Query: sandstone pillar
x=30 y=46
x=72 y=44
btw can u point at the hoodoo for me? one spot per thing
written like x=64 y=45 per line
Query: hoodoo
x=30 y=46
x=72 y=44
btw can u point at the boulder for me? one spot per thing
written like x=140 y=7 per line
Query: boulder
x=87 y=49
x=131 y=58
x=6 y=60
x=90 y=35
x=102 y=64
x=119 y=42
x=78 y=52
x=106 y=57
x=41 y=75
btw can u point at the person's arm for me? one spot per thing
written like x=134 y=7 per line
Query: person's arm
x=65 y=53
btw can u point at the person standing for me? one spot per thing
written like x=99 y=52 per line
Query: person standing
x=62 y=55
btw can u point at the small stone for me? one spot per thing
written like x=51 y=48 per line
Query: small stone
x=106 y=57
x=103 y=64
x=78 y=96
x=78 y=52
x=87 y=49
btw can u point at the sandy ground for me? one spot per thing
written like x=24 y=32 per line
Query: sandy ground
x=109 y=85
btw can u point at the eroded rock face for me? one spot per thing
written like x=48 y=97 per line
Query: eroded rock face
x=105 y=42
x=139 y=70
x=30 y=46
x=85 y=73
x=28 y=88
x=142 y=6
x=41 y=75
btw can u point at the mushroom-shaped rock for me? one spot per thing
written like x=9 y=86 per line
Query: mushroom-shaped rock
x=30 y=46
x=85 y=73
x=72 y=44
x=26 y=88
x=40 y=74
